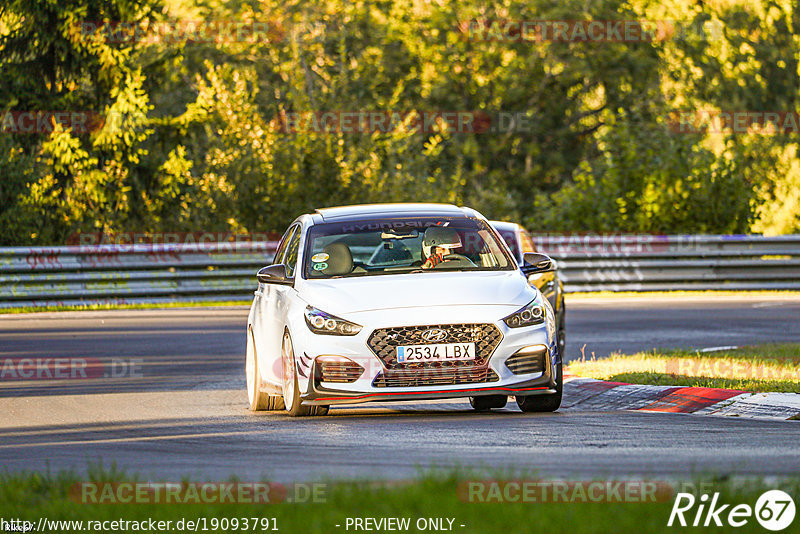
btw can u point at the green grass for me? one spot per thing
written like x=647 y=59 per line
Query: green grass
x=679 y=294
x=112 y=306
x=661 y=379
x=31 y=496
x=773 y=367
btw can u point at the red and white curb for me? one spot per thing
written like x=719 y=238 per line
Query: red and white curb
x=599 y=395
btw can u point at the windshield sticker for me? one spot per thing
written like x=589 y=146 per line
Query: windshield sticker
x=320 y=266
x=388 y=225
x=316 y=258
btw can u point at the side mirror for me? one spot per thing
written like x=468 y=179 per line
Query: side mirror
x=534 y=262
x=274 y=274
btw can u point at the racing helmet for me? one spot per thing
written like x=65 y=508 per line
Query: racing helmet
x=439 y=236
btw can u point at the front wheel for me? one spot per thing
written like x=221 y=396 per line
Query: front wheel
x=544 y=403
x=257 y=399
x=291 y=391
x=488 y=402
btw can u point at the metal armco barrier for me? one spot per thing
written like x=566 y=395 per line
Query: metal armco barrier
x=226 y=271
x=675 y=263
x=52 y=276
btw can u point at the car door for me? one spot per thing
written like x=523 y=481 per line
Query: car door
x=269 y=299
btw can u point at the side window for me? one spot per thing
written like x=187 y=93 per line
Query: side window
x=283 y=244
x=290 y=260
x=527 y=242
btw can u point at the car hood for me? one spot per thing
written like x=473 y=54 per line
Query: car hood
x=384 y=292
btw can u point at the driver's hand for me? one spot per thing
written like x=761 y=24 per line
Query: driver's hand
x=433 y=260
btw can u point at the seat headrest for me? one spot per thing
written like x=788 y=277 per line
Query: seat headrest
x=340 y=260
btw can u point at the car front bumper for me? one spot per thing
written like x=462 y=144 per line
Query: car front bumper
x=357 y=350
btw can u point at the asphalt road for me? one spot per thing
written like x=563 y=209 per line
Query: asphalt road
x=166 y=401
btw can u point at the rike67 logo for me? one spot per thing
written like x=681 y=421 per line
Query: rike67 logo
x=774 y=510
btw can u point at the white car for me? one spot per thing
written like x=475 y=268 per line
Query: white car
x=399 y=302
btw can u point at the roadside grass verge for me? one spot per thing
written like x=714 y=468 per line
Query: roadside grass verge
x=771 y=367
x=644 y=295
x=440 y=496
x=124 y=306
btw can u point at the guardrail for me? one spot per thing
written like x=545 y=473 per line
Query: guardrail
x=670 y=263
x=47 y=276
x=149 y=273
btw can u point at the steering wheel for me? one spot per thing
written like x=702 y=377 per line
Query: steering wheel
x=457 y=258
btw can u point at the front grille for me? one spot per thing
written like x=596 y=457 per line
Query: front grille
x=527 y=362
x=404 y=378
x=341 y=372
x=384 y=342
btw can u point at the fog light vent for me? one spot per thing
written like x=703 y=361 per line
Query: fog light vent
x=337 y=369
x=528 y=360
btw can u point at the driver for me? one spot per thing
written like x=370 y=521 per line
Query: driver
x=437 y=244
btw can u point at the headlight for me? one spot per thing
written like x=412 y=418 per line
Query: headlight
x=530 y=314
x=320 y=322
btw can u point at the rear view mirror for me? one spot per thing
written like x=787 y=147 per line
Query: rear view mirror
x=274 y=274
x=394 y=234
x=534 y=262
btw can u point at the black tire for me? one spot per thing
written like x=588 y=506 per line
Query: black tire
x=487 y=402
x=257 y=399
x=291 y=391
x=544 y=403
x=561 y=332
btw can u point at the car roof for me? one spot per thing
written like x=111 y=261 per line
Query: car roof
x=342 y=213
x=505 y=226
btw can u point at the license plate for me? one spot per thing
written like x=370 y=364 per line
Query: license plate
x=439 y=352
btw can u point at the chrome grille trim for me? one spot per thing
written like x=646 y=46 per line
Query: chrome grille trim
x=384 y=341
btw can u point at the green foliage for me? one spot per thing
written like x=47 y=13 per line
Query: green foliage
x=192 y=137
x=650 y=180
x=73 y=181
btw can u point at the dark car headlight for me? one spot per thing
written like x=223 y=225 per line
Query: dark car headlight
x=320 y=322
x=529 y=315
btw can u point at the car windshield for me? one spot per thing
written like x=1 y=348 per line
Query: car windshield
x=397 y=246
